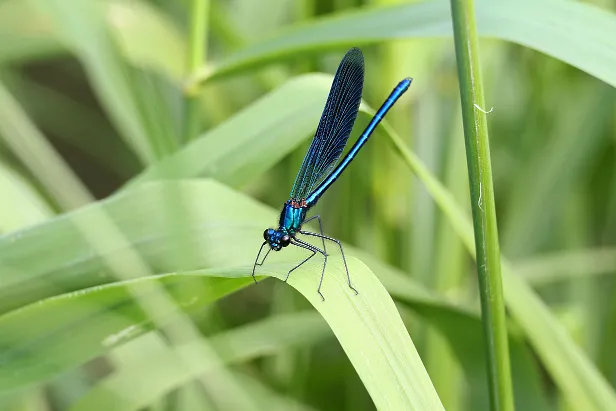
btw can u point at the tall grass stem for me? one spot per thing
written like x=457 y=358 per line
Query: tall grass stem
x=197 y=54
x=474 y=116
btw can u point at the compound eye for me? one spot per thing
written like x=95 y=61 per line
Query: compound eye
x=285 y=240
x=268 y=233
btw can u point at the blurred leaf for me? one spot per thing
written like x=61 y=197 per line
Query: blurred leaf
x=545 y=26
x=253 y=140
x=159 y=372
x=464 y=335
x=267 y=399
x=50 y=109
x=190 y=398
x=95 y=320
x=147 y=37
x=542 y=185
x=372 y=334
x=21 y=204
x=31 y=147
x=566 y=265
x=28 y=399
x=143 y=33
x=24 y=34
x=82 y=28
x=578 y=379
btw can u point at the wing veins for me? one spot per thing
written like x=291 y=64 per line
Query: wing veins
x=335 y=126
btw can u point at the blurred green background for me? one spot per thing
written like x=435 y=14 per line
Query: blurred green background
x=163 y=136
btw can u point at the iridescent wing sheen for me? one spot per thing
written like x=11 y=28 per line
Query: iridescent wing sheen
x=335 y=125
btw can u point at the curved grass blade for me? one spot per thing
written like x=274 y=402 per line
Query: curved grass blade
x=239 y=149
x=221 y=236
x=544 y=26
x=370 y=330
x=95 y=319
x=551 y=268
x=368 y=327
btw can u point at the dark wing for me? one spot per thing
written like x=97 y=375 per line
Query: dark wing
x=335 y=125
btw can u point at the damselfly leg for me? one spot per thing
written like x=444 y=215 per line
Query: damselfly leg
x=318 y=217
x=257 y=260
x=324 y=237
x=303 y=244
x=305 y=260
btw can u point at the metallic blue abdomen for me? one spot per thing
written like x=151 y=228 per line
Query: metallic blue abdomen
x=292 y=218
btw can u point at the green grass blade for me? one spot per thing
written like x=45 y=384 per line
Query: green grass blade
x=450 y=272
x=37 y=153
x=49 y=108
x=81 y=27
x=482 y=204
x=239 y=149
x=463 y=333
x=21 y=204
x=267 y=398
x=547 y=269
x=267 y=337
x=144 y=34
x=99 y=319
x=197 y=46
x=542 y=186
x=372 y=334
x=102 y=317
x=544 y=26
x=147 y=38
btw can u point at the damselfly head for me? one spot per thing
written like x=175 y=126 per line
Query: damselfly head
x=268 y=233
x=276 y=239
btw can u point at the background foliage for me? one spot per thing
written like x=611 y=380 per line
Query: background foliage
x=138 y=169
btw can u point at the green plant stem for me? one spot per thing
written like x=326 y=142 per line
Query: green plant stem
x=482 y=204
x=197 y=44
